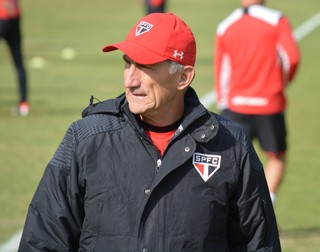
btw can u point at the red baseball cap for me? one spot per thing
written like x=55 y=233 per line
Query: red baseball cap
x=158 y=37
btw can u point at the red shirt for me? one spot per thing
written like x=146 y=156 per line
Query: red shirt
x=160 y=139
x=254 y=53
x=9 y=9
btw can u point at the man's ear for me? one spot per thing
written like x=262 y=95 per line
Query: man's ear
x=186 y=77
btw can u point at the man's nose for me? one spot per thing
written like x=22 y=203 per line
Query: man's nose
x=132 y=76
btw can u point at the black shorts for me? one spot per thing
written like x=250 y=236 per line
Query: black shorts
x=270 y=130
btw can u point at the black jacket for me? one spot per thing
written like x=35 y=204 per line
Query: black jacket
x=106 y=188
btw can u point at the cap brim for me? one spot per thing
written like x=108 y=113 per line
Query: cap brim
x=136 y=52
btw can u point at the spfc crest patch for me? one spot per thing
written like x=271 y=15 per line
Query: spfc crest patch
x=143 y=27
x=206 y=165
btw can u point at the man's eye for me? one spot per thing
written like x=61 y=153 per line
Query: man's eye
x=141 y=66
x=126 y=60
x=129 y=61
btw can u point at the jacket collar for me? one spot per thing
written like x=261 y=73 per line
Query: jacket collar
x=197 y=119
x=194 y=111
x=111 y=106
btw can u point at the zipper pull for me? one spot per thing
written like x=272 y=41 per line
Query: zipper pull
x=159 y=162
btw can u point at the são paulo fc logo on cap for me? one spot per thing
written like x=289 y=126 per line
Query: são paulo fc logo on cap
x=143 y=27
x=206 y=165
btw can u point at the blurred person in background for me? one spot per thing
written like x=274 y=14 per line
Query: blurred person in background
x=11 y=33
x=153 y=6
x=256 y=56
x=153 y=169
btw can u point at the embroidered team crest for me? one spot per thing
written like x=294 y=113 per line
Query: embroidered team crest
x=143 y=27
x=206 y=165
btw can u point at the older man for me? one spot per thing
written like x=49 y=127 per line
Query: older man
x=153 y=170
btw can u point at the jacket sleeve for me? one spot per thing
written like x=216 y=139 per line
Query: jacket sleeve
x=253 y=224
x=55 y=214
x=288 y=50
x=218 y=68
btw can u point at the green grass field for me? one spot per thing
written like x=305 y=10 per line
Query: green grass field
x=60 y=90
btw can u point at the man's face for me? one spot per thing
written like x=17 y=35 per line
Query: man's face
x=150 y=90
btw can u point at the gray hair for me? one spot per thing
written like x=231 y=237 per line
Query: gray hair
x=174 y=67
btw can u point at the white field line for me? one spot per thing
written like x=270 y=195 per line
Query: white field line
x=307 y=27
x=207 y=100
x=12 y=244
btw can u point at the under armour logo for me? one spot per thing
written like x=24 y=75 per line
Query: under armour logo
x=176 y=54
x=143 y=27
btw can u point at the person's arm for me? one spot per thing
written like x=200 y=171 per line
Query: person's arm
x=252 y=223
x=221 y=72
x=54 y=218
x=288 y=50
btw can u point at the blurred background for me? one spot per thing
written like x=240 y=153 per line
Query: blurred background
x=62 y=42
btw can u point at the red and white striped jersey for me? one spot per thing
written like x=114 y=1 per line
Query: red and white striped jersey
x=255 y=57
